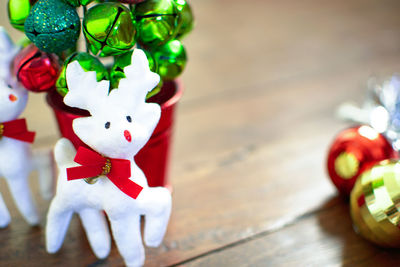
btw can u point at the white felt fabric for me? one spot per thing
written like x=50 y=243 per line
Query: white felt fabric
x=89 y=200
x=15 y=156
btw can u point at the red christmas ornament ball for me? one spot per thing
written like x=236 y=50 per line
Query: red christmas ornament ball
x=353 y=151
x=36 y=70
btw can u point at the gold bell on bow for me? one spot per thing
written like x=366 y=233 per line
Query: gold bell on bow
x=106 y=170
x=375 y=204
x=1 y=130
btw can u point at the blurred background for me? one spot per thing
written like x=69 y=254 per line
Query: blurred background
x=238 y=46
x=262 y=84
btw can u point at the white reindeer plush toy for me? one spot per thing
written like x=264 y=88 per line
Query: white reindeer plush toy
x=16 y=161
x=105 y=177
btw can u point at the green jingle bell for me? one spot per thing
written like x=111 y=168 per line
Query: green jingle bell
x=171 y=59
x=186 y=20
x=88 y=63
x=131 y=2
x=77 y=3
x=53 y=26
x=117 y=70
x=109 y=29
x=156 y=90
x=124 y=60
x=18 y=11
x=157 y=22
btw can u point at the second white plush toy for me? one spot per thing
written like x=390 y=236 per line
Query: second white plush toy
x=105 y=177
x=16 y=160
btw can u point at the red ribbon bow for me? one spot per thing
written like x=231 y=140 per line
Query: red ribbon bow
x=17 y=129
x=94 y=164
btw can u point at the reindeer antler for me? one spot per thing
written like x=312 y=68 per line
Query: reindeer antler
x=84 y=91
x=7 y=52
x=139 y=80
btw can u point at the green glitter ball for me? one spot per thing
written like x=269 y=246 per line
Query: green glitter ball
x=53 y=26
x=18 y=11
x=157 y=22
x=171 y=59
x=77 y=3
x=88 y=63
x=109 y=29
x=124 y=60
x=186 y=20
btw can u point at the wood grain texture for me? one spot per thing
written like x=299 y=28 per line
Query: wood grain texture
x=322 y=238
x=252 y=130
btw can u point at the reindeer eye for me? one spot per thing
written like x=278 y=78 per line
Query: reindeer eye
x=128 y=118
x=9 y=86
x=107 y=125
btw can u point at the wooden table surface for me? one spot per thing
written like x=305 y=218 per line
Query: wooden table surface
x=251 y=138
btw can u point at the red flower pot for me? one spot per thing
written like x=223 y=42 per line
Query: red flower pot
x=153 y=159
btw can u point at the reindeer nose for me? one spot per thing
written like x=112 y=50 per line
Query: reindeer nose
x=12 y=98
x=128 y=136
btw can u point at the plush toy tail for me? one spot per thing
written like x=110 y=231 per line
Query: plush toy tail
x=64 y=152
x=157 y=205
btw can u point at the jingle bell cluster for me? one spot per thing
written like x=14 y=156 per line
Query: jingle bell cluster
x=132 y=47
x=363 y=163
x=110 y=29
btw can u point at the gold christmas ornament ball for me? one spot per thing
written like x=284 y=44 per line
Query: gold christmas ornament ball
x=374 y=204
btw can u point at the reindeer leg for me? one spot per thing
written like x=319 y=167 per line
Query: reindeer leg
x=21 y=193
x=5 y=217
x=126 y=232
x=58 y=219
x=157 y=209
x=96 y=229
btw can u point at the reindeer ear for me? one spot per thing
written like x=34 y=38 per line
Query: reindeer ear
x=7 y=52
x=6 y=44
x=84 y=91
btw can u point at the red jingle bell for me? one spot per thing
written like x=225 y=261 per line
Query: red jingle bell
x=353 y=151
x=37 y=71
